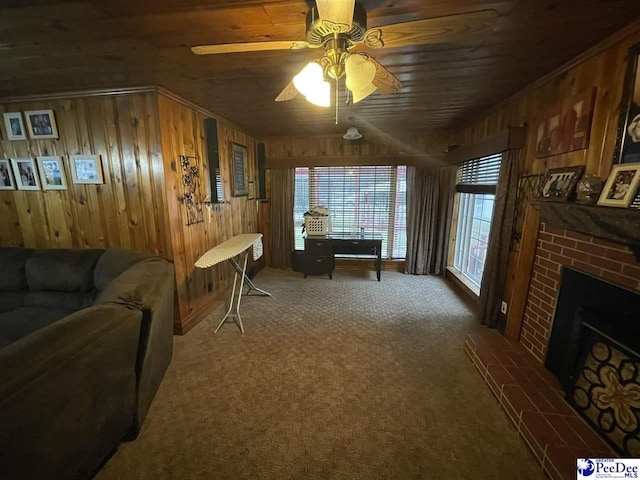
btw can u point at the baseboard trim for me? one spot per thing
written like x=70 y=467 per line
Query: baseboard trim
x=194 y=318
x=463 y=284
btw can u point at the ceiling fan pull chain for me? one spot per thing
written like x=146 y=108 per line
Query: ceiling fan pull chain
x=336 y=101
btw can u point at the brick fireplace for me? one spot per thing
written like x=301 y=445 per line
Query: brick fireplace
x=515 y=372
x=609 y=261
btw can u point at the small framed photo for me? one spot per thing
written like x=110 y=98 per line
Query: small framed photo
x=622 y=185
x=6 y=176
x=86 y=169
x=252 y=191
x=559 y=183
x=628 y=139
x=26 y=175
x=52 y=173
x=41 y=124
x=15 y=127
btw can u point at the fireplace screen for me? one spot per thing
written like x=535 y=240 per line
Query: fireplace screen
x=607 y=391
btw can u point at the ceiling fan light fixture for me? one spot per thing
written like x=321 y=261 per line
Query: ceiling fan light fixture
x=352 y=134
x=310 y=83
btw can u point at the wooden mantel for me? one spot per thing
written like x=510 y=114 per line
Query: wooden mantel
x=619 y=225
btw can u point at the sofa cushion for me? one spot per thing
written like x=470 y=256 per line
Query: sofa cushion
x=65 y=300
x=136 y=286
x=112 y=263
x=62 y=270
x=12 y=300
x=13 y=260
x=20 y=322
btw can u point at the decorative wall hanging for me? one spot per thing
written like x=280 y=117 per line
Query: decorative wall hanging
x=6 y=176
x=42 y=124
x=14 y=126
x=252 y=191
x=192 y=188
x=239 y=163
x=528 y=188
x=628 y=142
x=52 y=173
x=86 y=169
x=622 y=185
x=558 y=183
x=25 y=173
x=566 y=127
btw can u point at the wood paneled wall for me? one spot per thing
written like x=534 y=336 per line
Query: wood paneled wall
x=603 y=68
x=182 y=133
x=375 y=148
x=140 y=137
x=128 y=210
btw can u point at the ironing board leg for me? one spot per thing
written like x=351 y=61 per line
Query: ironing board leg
x=235 y=302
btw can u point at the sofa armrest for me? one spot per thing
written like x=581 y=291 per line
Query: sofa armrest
x=67 y=393
x=156 y=343
x=149 y=287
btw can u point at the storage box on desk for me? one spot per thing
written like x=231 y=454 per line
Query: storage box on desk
x=316 y=225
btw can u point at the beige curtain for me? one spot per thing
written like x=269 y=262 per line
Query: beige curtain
x=430 y=193
x=282 y=192
x=495 y=270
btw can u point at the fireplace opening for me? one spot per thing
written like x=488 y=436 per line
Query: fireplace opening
x=593 y=351
x=617 y=308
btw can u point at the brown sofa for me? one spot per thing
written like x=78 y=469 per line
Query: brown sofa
x=85 y=339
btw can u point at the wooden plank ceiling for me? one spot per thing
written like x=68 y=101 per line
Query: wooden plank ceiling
x=64 y=45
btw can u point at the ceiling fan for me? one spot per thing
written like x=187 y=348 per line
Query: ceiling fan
x=339 y=27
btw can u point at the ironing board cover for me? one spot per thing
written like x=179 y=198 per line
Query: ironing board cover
x=232 y=248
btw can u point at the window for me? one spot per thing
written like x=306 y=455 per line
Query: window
x=372 y=199
x=476 y=186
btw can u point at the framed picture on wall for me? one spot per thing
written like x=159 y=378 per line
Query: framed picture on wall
x=52 y=173
x=559 y=183
x=25 y=173
x=6 y=176
x=14 y=126
x=252 y=191
x=86 y=169
x=239 y=164
x=628 y=141
x=41 y=124
x=622 y=185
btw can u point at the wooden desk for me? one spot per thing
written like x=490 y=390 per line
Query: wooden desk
x=320 y=251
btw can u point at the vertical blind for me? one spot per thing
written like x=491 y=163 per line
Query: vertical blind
x=370 y=199
x=479 y=175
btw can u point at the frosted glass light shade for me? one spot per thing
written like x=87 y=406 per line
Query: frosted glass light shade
x=310 y=83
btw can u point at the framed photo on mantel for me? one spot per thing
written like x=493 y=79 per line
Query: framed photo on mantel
x=628 y=142
x=239 y=164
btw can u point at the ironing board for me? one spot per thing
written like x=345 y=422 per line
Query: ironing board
x=231 y=250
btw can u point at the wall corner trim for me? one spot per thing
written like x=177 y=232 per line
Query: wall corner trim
x=511 y=138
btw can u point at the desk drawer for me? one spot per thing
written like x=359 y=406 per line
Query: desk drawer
x=315 y=265
x=317 y=246
x=355 y=247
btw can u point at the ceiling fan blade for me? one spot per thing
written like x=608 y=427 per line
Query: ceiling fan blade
x=385 y=81
x=448 y=29
x=336 y=15
x=288 y=93
x=251 y=47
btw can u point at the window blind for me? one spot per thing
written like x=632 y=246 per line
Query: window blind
x=479 y=175
x=369 y=199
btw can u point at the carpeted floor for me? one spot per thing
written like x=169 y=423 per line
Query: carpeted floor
x=347 y=378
